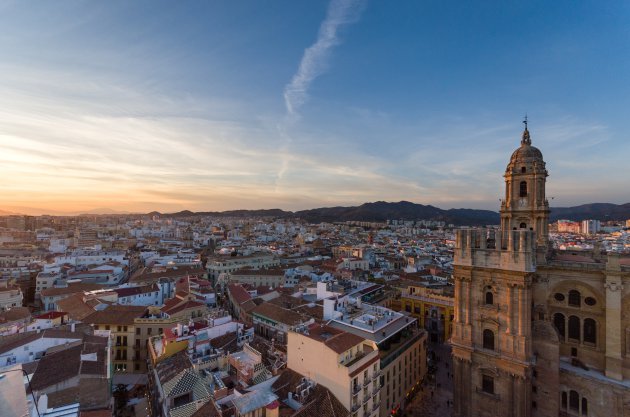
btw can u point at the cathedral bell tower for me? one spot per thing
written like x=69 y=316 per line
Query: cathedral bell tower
x=525 y=206
x=493 y=359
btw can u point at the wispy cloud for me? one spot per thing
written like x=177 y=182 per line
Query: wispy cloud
x=315 y=59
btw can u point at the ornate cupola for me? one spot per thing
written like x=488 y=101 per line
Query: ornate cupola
x=525 y=205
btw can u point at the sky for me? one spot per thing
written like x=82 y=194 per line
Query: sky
x=151 y=105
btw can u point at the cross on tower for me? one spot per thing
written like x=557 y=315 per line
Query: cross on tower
x=525 y=121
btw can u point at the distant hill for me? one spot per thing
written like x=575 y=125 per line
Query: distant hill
x=381 y=211
x=597 y=211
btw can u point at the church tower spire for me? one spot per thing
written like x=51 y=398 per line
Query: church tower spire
x=525 y=205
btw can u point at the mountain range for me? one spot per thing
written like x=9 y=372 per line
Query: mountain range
x=381 y=211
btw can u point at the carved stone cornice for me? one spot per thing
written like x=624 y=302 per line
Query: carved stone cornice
x=613 y=286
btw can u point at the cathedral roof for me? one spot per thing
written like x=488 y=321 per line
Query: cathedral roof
x=527 y=152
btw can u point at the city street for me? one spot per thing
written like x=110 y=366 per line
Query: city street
x=435 y=398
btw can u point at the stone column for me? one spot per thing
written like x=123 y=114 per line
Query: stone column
x=458 y=298
x=467 y=302
x=467 y=390
x=457 y=387
x=521 y=310
x=510 y=314
x=510 y=408
x=614 y=291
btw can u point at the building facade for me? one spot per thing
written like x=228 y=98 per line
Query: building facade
x=434 y=311
x=537 y=332
x=346 y=364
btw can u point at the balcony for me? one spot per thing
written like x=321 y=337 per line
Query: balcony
x=367 y=382
x=376 y=405
x=355 y=407
x=356 y=389
x=376 y=374
x=376 y=389
x=367 y=397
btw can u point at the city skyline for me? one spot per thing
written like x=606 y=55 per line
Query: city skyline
x=301 y=105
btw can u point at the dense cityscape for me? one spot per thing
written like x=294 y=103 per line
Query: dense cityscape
x=152 y=315
x=322 y=208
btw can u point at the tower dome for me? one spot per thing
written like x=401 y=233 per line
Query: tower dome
x=526 y=155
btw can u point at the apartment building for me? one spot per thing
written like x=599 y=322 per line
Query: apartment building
x=10 y=294
x=226 y=264
x=346 y=364
x=401 y=344
x=258 y=277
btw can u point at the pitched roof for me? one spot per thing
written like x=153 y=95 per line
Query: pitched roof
x=116 y=314
x=182 y=306
x=279 y=314
x=60 y=365
x=336 y=339
x=238 y=293
x=70 y=289
x=319 y=403
x=75 y=306
x=15 y=314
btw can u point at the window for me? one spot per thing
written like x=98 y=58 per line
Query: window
x=487 y=384
x=138 y=331
x=574 y=328
x=523 y=170
x=564 y=400
x=558 y=322
x=489 y=297
x=590 y=331
x=590 y=301
x=584 y=406
x=488 y=339
x=523 y=189
x=558 y=296
x=574 y=401
x=574 y=298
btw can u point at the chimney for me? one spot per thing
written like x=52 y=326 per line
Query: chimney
x=72 y=327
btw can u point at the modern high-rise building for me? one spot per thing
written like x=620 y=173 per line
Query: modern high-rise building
x=537 y=331
x=590 y=227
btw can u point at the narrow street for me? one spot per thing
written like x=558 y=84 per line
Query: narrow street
x=435 y=398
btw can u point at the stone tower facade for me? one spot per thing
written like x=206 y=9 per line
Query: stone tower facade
x=525 y=205
x=537 y=331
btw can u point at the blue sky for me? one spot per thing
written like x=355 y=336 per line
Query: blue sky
x=296 y=104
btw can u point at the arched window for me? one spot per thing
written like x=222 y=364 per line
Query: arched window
x=574 y=328
x=489 y=297
x=523 y=226
x=523 y=189
x=574 y=298
x=564 y=400
x=558 y=321
x=590 y=331
x=523 y=170
x=488 y=339
x=584 y=406
x=574 y=401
